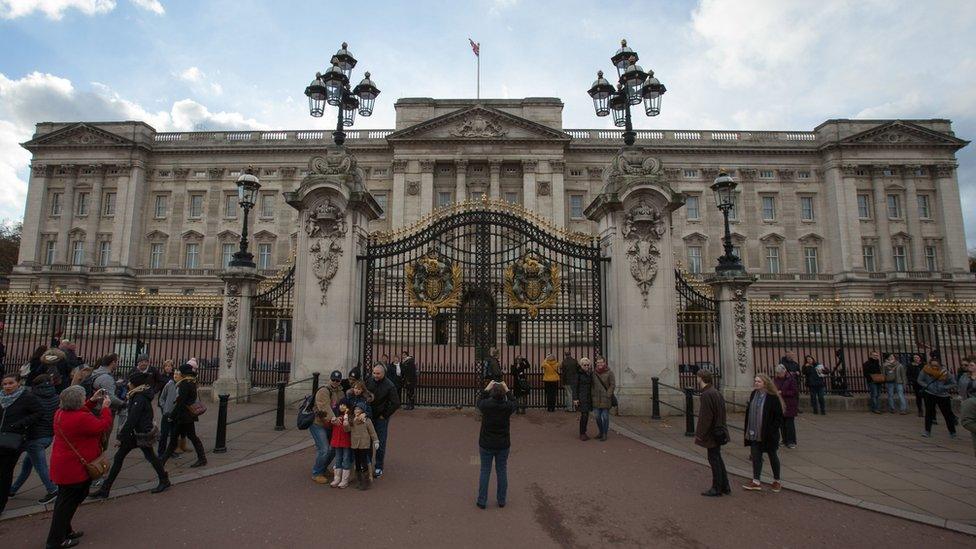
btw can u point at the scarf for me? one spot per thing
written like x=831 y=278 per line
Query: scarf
x=6 y=400
x=754 y=427
x=136 y=391
x=934 y=372
x=602 y=370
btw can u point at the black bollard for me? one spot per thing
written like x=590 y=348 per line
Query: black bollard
x=655 y=399
x=220 y=446
x=280 y=416
x=689 y=413
x=315 y=383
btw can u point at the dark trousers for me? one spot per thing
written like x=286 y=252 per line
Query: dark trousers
x=818 y=400
x=382 y=427
x=551 y=389
x=70 y=497
x=789 y=430
x=919 y=397
x=189 y=431
x=756 y=455
x=164 y=430
x=584 y=420
x=945 y=406
x=361 y=456
x=720 y=477
x=500 y=458
x=8 y=462
x=127 y=446
x=410 y=389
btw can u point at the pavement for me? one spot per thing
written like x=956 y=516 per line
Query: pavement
x=562 y=493
x=874 y=461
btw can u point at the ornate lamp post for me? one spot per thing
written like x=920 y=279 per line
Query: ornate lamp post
x=247 y=195
x=333 y=88
x=633 y=87
x=724 y=189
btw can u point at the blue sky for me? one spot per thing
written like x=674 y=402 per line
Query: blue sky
x=742 y=64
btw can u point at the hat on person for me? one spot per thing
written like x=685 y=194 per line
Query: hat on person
x=53 y=356
x=336 y=375
x=187 y=369
x=345 y=401
x=354 y=375
x=138 y=378
x=193 y=363
x=143 y=357
x=364 y=407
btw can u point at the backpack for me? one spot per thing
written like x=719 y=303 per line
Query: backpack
x=306 y=413
x=89 y=384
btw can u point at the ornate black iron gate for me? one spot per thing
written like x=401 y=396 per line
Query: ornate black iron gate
x=480 y=276
x=698 y=332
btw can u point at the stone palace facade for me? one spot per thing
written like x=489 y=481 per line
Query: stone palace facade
x=854 y=208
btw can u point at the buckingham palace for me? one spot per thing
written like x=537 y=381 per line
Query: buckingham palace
x=851 y=208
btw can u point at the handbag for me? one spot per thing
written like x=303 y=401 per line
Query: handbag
x=196 y=409
x=148 y=439
x=9 y=441
x=877 y=378
x=95 y=468
x=721 y=435
x=613 y=398
x=306 y=413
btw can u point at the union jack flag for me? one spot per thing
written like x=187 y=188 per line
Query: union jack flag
x=475 y=47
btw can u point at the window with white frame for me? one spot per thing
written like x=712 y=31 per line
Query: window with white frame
x=894 y=206
x=78 y=252
x=576 y=206
x=159 y=206
x=156 y=254
x=901 y=261
x=108 y=207
x=924 y=209
x=382 y=202
x=806 y=208
x=694 y=259
x=811 y=260
x=768 y=208
x=196 y=206
x=83 y=200
x=477 y=196
x=230 y=206
x=267 y=205
x=55 y=203
x=734 y=212
x=512 y=197
x=766 y=174
x=772 y=259
x=264 y=256
x=870 y=260
x=226 y=254
x=49 y=250
x=192 y=256
x=104 y=252
x=864 y=206
x=931 y=259
x=443 y=199
x=692 y=208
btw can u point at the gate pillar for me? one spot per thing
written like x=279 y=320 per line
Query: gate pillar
x=233 y=378
x=334 y=209
x=634 y=215
x=735 y=334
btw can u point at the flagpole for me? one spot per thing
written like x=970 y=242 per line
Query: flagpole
x=478 y=96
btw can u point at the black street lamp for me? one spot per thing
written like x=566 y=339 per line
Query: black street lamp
x=247 y=196
x=333 y=88
x=724 y=189
x=633 y=86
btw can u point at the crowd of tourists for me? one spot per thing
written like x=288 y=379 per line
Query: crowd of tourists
x=57 y=400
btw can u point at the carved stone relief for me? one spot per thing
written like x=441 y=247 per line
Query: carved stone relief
x=413 y=187
x=739 y=320
x=643 y=228
x=544 y=188
x=479 y=126
x=326 y=228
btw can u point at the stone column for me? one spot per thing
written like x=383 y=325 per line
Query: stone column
x=634 y=218
x=36 y=211
x=130 y=199
x=881 y=220
x=94 y=216
x=558 y=193
x=917 y=257
x=334 y=213
x=398 y=203
x=460 y=185
x=851 y=256
x=426 y=187
x=950 y=215
x=67 y=215
x=528 y=184
x=494 y=184
x=234 y=376
x=735 y=334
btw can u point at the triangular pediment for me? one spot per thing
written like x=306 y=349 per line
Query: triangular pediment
x=228 y=235
x=157 y=235
x=78 y=135
x=903 y=134
x=478 y=123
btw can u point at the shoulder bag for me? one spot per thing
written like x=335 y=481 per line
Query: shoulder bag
x=9 y=441
x=306 y=413
x=721 y=434
x=613 y=398
x=196 y=409
x=147 y=439
x=95 y=468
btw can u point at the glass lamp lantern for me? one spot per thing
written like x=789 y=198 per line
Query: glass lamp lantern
x=724 y=188
x=248 y=185
x=335 y=81
x=601 y=92
x=632 y=80
x=619 y=106
x=344 y=60
x=367 y=91
x=652 y=91
x=350 y=104
x=317 y=95
x=622 y=58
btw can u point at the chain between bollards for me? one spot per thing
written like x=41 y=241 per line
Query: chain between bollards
x=315 y=382
x=655 y=399
x=280 y=416
x=220 y=446
x=689 y=413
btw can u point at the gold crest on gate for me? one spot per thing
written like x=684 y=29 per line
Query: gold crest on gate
x=532 y=283
x=433 y=283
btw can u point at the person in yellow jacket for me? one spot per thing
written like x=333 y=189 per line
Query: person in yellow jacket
x=550 y=381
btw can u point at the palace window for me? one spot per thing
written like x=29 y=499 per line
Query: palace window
x=576 y=206
x=381 y=200
x=267 y=205
x=901 y=261
x=894 y=206
x=82 y=209
x=689 y=173
x=226 y=254
x=443 y=199
x=512 y=197
x=692 y=209
x=230 y=206
x=931 y=259
x=264 y=256
x=772 y=259
x=192 y=260
x=156 y=251
x=49 y=252
x=108 y=210
x=806 y=208
x=159 y=206
x=924 y=211
x=887 y=172
x=810 y=260
x=196 y=206
x=920 y=171
x=766 y=174
x=55 y=203
x=870 y=263
x=734 y=212
x=477 y=196
x=695 y=259
x=78 y=252
x=768 y=208
x=864 y=206
x=104 y=252
x=575 y=173
x=803 y=174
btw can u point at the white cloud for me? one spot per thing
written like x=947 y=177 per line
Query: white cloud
x=53 y=9
x=498 y=6
x=216 y=88
x=150 y=5
x=192 y=74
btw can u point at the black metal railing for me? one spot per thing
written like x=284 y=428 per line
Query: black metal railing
x=271 y=331
x=698 y=332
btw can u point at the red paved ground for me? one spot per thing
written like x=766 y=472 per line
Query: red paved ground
x=563 y=492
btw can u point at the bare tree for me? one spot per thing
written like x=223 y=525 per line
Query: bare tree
x=9 y=245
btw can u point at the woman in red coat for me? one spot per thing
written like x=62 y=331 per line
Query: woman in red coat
x=78 y=430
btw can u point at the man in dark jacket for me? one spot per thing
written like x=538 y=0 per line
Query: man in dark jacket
x=39 y=437
x=873 y=366
x=491 y=369
x=711 y=421
x=385 y=403
x=21 y=411
x=567 y=376
x=408 y=375
x=156 y=378
x=496 y=406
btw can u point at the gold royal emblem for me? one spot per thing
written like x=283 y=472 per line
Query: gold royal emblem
x=532 y=283
x=433 y=283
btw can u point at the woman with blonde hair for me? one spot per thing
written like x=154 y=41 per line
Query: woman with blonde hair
x=583 y=395
x=764 y=418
